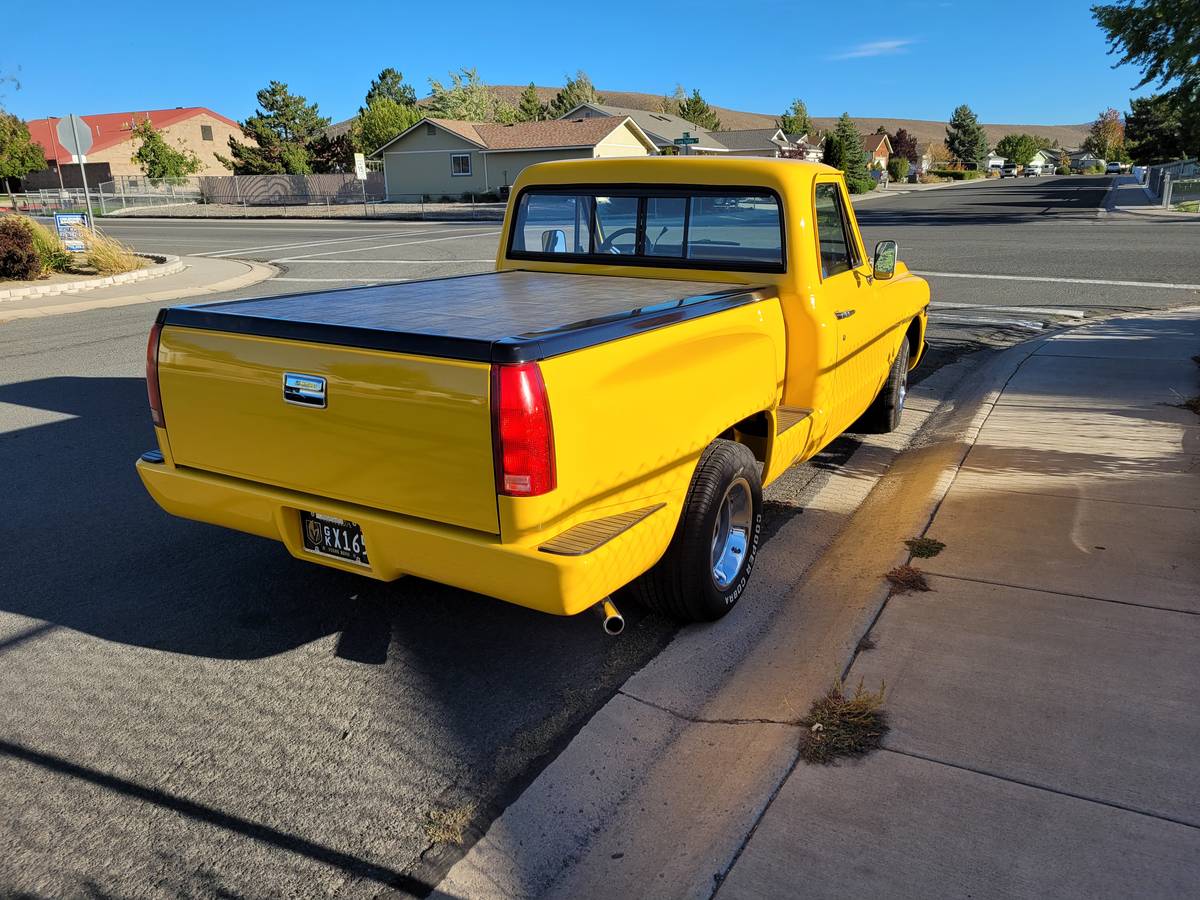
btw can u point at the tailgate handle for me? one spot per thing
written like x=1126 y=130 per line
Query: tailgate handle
x=304 y=390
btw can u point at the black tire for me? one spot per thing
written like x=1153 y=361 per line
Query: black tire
x=884 y=414
x=686 y=584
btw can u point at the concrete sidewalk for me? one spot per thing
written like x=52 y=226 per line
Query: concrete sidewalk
x=200 y=275
x=1042 y=697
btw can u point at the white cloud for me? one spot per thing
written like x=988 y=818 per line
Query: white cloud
x=876 y=48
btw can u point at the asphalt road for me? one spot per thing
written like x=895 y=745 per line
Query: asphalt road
x=185 y=711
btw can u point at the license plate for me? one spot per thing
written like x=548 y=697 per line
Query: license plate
x=330 y=536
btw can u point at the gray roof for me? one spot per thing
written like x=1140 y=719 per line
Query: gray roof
x=662 y=128
x=748 y=138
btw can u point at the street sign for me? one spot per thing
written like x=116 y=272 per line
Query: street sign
x=685 y=140
x=70 y=227
x=75 y=135
x=360 y=167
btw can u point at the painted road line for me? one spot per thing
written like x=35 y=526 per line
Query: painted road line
x=455 y=237
x=1038 y=310
x=342 y=280
x=324 y=242
x=387 y=262
x=965 y=320
x=1046 y=278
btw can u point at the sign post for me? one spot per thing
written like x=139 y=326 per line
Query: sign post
x=686 y=142
x=360 y=172
x=78 y=145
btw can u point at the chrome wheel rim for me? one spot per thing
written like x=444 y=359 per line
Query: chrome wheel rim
x=731 y=533
x=903 y=390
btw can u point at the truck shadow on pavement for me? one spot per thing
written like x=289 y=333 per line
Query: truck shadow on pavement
x=91 y=551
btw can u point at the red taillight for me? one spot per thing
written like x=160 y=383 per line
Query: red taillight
x=156 y=413
x=521 y=431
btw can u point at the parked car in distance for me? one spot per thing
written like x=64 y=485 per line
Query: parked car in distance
x=1113 y=168
x=661 y=338
x=1031 y=169
x=1008 y=170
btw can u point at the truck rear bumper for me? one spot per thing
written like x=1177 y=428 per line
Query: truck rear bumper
x=400 y=545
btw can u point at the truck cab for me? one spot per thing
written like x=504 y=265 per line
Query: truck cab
x=661 y=338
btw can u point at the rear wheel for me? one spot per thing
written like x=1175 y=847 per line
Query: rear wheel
x=711 y=556
x=885 y=413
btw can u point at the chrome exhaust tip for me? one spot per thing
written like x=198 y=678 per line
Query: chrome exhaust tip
x=614 y=622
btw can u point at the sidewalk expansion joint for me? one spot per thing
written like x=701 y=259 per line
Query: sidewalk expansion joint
x=1025 y=587
x=1058 y=496
x=700 y=720
x=1044 y=787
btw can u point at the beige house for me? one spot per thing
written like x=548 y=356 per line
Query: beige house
x=204 y=132
x=449 y=158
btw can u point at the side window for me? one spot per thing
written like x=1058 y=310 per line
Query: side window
x=460 y=164
x=206 y=133
x=837 y=247
x=664 y=226
x=553 y=223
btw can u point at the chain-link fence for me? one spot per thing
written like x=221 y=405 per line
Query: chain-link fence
x=1184 y=193
x=1165 y=180
x=264 y=196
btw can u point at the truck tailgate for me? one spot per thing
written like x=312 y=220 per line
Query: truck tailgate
x=404 y=433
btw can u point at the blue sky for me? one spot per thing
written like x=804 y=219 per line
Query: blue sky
x=913 y=59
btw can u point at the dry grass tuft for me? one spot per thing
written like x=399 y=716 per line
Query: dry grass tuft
x=1192 y=403
x=838 y=725
x=109 y=256
x=924 y=548
x=448 y=824
x=907 y=578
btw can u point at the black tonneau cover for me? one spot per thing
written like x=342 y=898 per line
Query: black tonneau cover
x=514 y=316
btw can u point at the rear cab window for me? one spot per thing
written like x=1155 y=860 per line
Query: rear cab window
x=720 y=229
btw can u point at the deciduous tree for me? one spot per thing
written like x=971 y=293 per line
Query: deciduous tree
x=19 y=155
x=465 y=97
x=1017 y=148
x=904 y=144
x=157 y=158
x=1106 y=138
x=669 y=104
x=380 y=121
x=965 y=138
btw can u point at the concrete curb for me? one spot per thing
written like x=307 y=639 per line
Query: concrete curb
x=255 y=273
x=665 y=784
x=166 y=265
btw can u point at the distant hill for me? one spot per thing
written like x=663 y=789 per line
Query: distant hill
x=925 y=130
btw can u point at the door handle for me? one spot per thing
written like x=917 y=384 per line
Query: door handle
x=844 y=313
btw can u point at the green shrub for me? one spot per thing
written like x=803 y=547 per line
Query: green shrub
x=1095 y=170
x=1063 y=170
x=860 y=185
x=50 y=251
x=897 y=168
x=18 y=258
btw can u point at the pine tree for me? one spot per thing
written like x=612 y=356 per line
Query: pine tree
x=282 y=128
x=966 y=139
x=390 y=84
x=530 y=108
x=795 y=120
x=577 y=90
x=831 y=154
x=854 y=162
x=699 y=113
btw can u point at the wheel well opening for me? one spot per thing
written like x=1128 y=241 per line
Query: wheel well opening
x=753 y=431
x=914 y=337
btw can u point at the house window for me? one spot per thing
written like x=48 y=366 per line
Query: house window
x=460 y=164
x=206 y=133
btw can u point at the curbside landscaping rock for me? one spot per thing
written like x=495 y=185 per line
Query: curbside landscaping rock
x=163 y=265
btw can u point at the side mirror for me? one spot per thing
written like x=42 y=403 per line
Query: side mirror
x=885 y=259
x=554 y=240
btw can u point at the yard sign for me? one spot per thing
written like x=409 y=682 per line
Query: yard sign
x=70 y=227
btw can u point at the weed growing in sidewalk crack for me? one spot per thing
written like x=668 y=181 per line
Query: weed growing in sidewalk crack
x=865 y=643
x=907 y=578
x=447 y=824
x=924 y=547
x=838 y=725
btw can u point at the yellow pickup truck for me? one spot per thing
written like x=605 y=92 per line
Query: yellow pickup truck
x=661 y=338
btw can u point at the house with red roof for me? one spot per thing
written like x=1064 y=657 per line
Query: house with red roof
x=199 y=129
